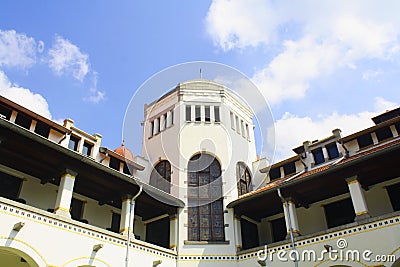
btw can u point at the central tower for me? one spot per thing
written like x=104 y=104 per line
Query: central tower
x=199 y=140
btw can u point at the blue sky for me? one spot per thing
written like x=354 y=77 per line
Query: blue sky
x=321 y=64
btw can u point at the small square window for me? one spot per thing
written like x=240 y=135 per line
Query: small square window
x=77 y=209
x=23 y=121
x=318 y=156
x=394 y=195
x=339 y=212
x=42 y=129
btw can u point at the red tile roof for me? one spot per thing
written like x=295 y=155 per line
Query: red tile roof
x=320 y=169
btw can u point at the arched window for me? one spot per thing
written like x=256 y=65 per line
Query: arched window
x=243 y=178
x=161 y=176
x=205 y=214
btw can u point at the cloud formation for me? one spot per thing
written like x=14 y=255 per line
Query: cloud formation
x=23 y=96
x=313 y=38
x=292 y=130
x=66 y=58
x=17 y=49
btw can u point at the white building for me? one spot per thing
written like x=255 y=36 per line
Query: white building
x=65 y=200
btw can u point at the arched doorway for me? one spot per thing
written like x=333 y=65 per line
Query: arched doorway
x=12 y=257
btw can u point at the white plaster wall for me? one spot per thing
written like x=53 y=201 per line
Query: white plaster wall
x=62 y=242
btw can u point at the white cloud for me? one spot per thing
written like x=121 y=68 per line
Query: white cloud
x=66 y=58
x=291 y=130
x=95 y=94
x=24 y=97
x=240 y=23
x=17 y=49
x=315 y=38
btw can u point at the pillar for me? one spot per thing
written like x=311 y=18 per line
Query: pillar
x=238 y=233
x=125 y=211
x=64 y=195
x=173 y=232
x=289 y=210
x=357 y=197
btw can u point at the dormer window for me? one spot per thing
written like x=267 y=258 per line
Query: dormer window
x=383 y=133
x=289 y=168
x=364 y=140
x=73 y=143
x=275 y=173
x=87 y=149
x=333 y=151
x=318 y=156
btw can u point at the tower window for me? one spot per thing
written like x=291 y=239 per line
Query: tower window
x=205 y=213
x=164 y=121
x=207 y=114
x=197 y=113
x=243 y=179
x=237 y=124
x=247 y=131
x=242 y=127
x=188 y=113
x=232 y=121
x=161 y=176
x=217 y=116
x=151 y=128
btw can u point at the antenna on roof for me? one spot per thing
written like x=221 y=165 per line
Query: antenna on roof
x=201 y=75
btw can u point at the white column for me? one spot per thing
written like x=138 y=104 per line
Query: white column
x=374 y=138
x=124 y=224
x=357 y=197
x=289 y=210
x=173 y=232
x=64 y=195
x=238 y=233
